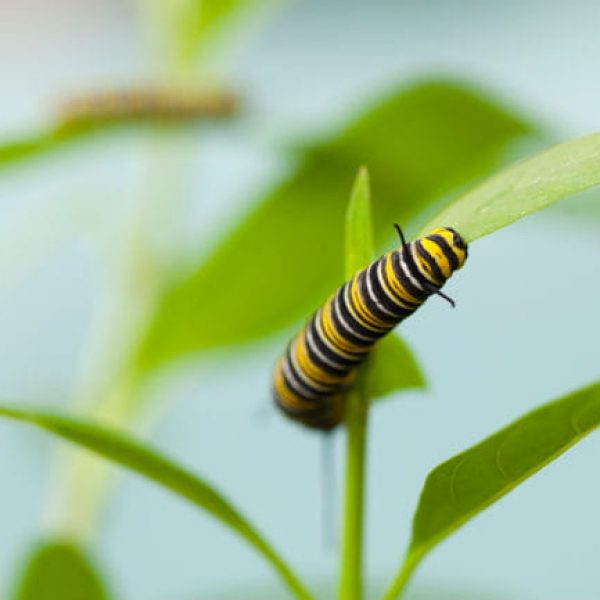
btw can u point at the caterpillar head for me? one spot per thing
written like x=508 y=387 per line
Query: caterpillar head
x=455 y=242
x=440 y=253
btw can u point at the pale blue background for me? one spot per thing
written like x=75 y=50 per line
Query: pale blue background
x=525 y=330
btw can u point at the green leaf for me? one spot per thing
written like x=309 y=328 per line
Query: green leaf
x=27 y=147
x=360 y=248
x=393 y=367
x=286 y=255
x=67 y=130
x=210 y=17
x=459 y=489
x=561 y=171
x=191 y=27
x=132 y=455
x=59 y=569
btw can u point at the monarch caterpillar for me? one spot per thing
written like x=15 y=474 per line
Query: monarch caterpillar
x=309 y=380
x=145 y=103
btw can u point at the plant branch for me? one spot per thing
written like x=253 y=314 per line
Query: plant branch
x=398 y=585
x=351 y=581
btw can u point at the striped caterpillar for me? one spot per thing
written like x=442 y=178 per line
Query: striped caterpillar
x=310 y=379
x=145 y=103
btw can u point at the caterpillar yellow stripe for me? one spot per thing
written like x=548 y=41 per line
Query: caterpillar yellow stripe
x=311 y=378
x=142 y=103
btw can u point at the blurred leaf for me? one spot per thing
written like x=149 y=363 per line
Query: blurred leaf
x=467 y=484
x=207 y=17
x=287 y=254
x=26 y=147
x=360 y=248
x=68 y=129
x=190 y=27
x=130 y=454
x=59 y=570
x=561 y=171
x=48 y=141
x=393 y=368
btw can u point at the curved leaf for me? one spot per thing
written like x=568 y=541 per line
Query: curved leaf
x=27 y=147
x=459 y=489
x=286 y=255
x=561 y=171
x=70 y=128
x=59 y=569
x=130 y=454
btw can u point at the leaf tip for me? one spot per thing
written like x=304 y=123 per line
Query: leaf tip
x=363 y=172
x=362 y=182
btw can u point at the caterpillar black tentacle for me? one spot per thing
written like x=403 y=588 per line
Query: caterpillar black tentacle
x=310 y=379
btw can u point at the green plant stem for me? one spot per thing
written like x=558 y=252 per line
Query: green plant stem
x=351 y=583
x=109 y=388
x=398 y=586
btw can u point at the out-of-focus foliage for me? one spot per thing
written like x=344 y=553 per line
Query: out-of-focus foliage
x=468 y=483
x=559 y=172
x=286 y=254
x=58 y=570
x=188 y=28
x=62 y=134
x=128 y=453
x=19 y=149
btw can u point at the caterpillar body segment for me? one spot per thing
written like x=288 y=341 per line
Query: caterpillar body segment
x=311 y=378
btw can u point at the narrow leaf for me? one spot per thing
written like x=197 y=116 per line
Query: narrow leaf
x=392 y=366
x=70 y=128
x=130 y=454
x=557 y=173
x=419 y=144
x=459 y=489
x=58 y=569
x=360 y=248
x=28 y=147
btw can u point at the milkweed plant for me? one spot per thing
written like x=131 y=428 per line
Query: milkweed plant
x=424 y=143
x=455 y=491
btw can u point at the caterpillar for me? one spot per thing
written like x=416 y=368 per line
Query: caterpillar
x=145 y=103
x=310 y=379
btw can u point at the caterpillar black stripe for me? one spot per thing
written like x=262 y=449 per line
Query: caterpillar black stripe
x=311 y=377
x=169 y=104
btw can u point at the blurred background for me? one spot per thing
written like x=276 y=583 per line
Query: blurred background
x=114 y=239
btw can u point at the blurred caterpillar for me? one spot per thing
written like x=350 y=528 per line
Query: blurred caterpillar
x=145 y=103
x=309 y=380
